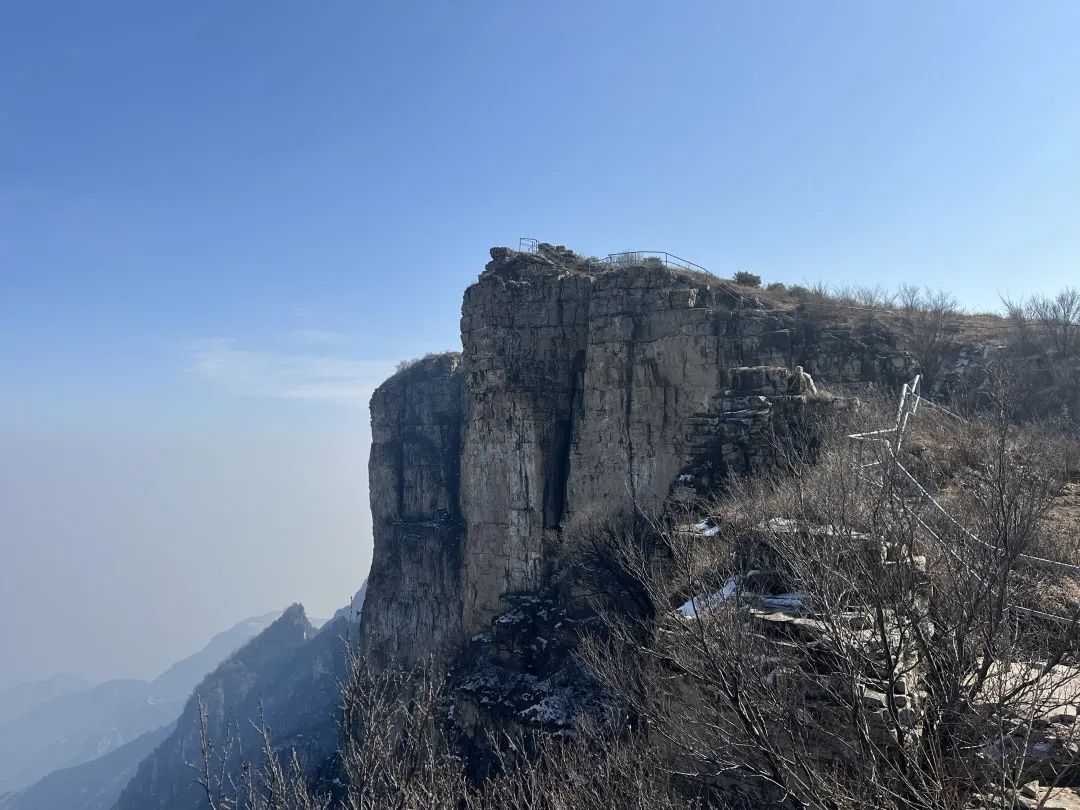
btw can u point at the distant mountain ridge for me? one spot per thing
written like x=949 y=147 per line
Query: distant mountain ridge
x=80 y=725
x=17 y=700
x=180 y=678
x=290 y=673
x=290 y=667
x=93 y=785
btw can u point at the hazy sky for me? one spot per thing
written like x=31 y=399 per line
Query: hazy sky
x=221 y=223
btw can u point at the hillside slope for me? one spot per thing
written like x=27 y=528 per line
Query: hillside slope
x=21 y=698
x=93 y=785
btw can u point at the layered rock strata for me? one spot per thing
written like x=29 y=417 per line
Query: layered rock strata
x=755 y=425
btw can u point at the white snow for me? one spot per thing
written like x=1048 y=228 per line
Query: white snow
x=701 y=604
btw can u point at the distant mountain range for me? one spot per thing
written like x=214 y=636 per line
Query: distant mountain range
x=65 y=723
x=18 y=700
x=290 y=674
x=93 y=785
x=279 y=661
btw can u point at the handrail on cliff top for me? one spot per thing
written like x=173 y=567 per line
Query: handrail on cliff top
x=669 y=259
x=530 y=245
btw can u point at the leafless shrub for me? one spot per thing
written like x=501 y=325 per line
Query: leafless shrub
x=853 y=295
x=931 y=327
x=876 y=297
x=595 y=769
x=905 y=686
x=1059 y=318
x=628 y=258
x=1046 y=323
x=800 y=292
x=1022 y=335
x=910 y=297
x=614 y=553
x=393 y=752
x=1044 y=347
x=231 y=782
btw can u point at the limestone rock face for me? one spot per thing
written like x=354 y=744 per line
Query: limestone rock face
x=524 y=333
x=578 y=383
x=412 y=607
x=657 y=352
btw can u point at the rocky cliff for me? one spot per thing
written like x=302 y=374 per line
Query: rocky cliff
x=417 y=420
x=577 y=384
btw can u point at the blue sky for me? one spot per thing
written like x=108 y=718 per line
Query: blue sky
x=222 y=223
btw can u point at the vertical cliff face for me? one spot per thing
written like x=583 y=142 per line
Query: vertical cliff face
x=657 y=352
x=577 y=383
x=412 y=609
x=523 y=334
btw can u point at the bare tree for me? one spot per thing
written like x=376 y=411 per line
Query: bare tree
x=1059 y=318
x=395 y=755
x=910 y=297
x=931 y=328
x=1044 y=348
x=595 y=769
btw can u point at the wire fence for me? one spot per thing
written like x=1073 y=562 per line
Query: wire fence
x=885 y=445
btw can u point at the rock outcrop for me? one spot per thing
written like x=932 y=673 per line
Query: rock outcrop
x=578 y=383
x=754 y=425
x=417 y=421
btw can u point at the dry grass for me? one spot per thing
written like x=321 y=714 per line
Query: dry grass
x=1063 y=526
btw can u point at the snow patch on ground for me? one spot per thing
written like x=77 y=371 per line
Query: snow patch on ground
x=700 y=604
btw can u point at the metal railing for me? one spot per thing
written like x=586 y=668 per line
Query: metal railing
x=633 y=257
